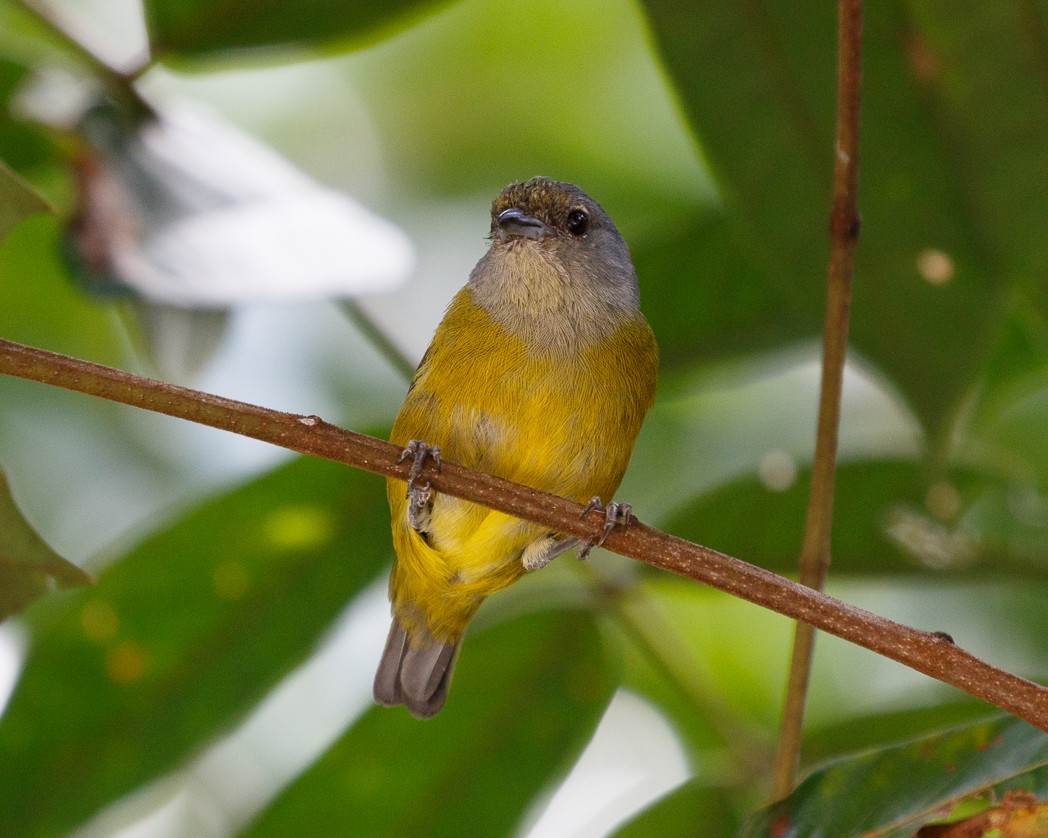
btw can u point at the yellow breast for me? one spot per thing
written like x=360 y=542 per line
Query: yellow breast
x=560 y=419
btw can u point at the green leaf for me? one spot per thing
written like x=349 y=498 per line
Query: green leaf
x=682 y=812
x=865 y=491
x=23 y=145
x=51 y=311
x=1011 y=524
x=885 y=520
x=1016 y=369
x=526 y=697
x=17 y=200
x=720 y=667
x=1011 y=427
x=868 y=731
x=204 y=26
x=484 y=94
x=892 y=792
x=181 y=638
x=29 y=568
x=758 y=85
x=983 y=66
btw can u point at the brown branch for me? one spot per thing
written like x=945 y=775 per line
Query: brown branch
x=844 y=234
x=931 y=653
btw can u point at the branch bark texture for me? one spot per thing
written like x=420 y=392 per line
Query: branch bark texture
x=928 y=652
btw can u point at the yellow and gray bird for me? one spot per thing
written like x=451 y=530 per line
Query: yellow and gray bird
x=541 y=372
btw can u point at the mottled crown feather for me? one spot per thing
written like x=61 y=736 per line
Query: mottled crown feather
x=550 y=201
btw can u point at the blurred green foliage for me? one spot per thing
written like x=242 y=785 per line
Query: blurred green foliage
x=178 y=27
x=17 y=200
x=29 y=568
x=229 y=614
x=532 y=696
x=706 y=131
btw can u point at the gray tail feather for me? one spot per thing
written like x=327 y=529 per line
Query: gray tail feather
x=415 y=674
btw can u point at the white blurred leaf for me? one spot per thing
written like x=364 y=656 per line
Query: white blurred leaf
x=183 y=209
x=180 y=341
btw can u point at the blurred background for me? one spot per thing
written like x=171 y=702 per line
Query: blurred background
x=277 y=205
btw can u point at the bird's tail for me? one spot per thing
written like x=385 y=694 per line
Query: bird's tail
x=414 y=672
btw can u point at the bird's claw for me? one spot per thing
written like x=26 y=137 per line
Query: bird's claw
x=419 y=518
x=419 y=497
x=417 y=451
x=615 y=514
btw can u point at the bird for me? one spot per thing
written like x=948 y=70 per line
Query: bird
x=540 y=372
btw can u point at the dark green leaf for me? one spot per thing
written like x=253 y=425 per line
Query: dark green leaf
x=886 y=520
x=526 y=697
x=181 y=638
x=206 y=26
x=692 y=809
x=982 y=65
x=893 y=726
x=1016 y=371
x=758 y=84
x=708 y=294
x=29 y=568
x=22 y=144
x=892 y=792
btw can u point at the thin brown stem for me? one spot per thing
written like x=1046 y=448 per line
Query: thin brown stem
x=844 y=233
x=929 y=652
x=642 y=622
x=377 y=337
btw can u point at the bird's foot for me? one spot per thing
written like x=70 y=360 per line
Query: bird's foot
x=615 y=514
x=420 y=498
x=417 y=451
x=420 y=506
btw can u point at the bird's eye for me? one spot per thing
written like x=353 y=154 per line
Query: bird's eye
x=578 y=222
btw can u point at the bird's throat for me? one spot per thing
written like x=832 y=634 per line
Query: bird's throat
x=534 y=298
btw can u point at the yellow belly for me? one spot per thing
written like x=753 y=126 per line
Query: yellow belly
x=563 y=422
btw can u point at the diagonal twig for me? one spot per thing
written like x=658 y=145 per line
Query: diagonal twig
x=932 y=653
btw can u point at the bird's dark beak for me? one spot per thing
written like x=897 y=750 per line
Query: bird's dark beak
x=514 y=222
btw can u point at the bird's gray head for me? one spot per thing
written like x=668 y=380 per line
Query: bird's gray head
x=551 y=239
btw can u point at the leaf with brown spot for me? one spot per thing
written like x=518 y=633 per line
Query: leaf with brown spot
x=1020 y=815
